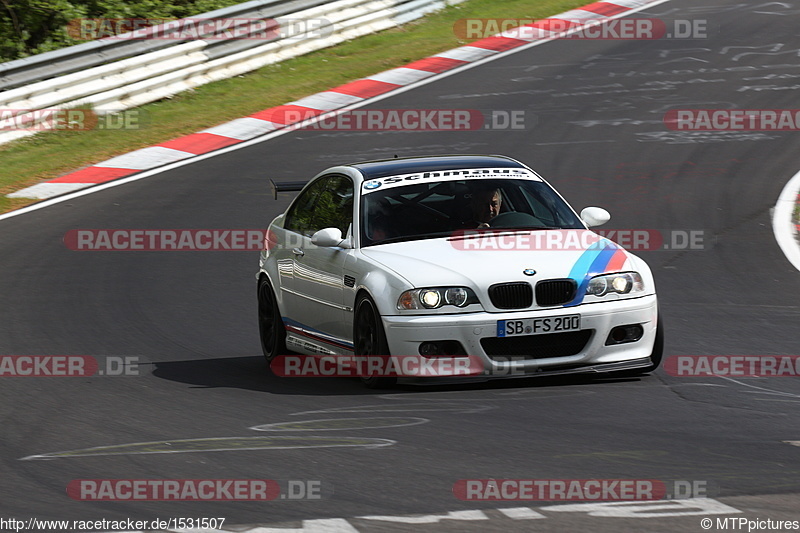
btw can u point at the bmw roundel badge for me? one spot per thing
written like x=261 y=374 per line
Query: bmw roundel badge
x=529 y=272
x=373 y=184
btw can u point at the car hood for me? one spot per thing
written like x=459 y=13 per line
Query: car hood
x=496 y=258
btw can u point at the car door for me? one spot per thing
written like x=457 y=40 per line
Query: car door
x=290 y=241
x=318 y=272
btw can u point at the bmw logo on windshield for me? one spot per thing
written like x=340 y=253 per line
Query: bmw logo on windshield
x=372 y=185
x=529 y=272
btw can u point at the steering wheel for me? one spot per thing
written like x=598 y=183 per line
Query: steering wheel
x=514 y=219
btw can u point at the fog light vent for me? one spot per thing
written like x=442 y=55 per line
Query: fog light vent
x=625 y=334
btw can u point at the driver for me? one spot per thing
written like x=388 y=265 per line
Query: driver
x=485 y=205
x=379 y=225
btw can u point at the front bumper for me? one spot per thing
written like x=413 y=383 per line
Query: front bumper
x=404 y=335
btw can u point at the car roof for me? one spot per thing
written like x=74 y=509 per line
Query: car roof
x=407 y=165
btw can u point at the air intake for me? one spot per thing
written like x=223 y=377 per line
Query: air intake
x=555 y=292
x=517 y=295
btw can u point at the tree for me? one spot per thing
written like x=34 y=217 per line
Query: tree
x=30 y=27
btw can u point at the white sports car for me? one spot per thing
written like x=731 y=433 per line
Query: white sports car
x=448 y=257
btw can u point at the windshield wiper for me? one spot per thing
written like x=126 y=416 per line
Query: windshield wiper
x=495 y=229
x=417 y=237
x=471 y=233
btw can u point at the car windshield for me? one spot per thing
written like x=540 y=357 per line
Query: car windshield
x=425 y=210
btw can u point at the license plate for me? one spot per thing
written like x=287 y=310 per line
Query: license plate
x=538 y=326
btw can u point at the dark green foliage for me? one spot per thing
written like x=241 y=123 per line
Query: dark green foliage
x=30 y=27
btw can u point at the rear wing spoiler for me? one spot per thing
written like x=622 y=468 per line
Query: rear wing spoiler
x=285 y=186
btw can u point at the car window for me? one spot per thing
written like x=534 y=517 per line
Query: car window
x=333 y=208
x=548 y=207
x=435 y=209
x=326 y=203
x=300 y=215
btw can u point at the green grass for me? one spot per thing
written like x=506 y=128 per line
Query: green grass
x=52 y=154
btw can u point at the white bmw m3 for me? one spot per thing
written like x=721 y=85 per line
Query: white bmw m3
x=452 y=257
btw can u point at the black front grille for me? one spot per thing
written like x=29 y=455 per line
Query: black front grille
x=518 y=295
x=555 y=291
x=536 y=346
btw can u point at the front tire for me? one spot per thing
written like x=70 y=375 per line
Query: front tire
x=270 y=324
x=370 y=339
x=658 y=347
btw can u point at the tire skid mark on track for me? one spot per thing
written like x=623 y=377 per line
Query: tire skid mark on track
x=339 y=424
x=219 y=444
x=385 y=408
x=762 y=390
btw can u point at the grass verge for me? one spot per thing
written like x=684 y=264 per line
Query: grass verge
x=49 y=155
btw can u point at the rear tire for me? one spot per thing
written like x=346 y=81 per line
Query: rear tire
x=270 y=324
x=370 y=339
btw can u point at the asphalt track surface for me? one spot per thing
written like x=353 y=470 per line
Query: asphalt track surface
x=599 y=138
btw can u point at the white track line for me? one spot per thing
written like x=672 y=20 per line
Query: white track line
x=782 y=221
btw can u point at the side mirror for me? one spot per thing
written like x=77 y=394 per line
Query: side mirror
x=595 y=216
x=329 y=238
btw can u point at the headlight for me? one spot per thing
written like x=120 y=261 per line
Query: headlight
x=436 y=297
x=620 y=282
x=457 y=296
x=430 y=298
